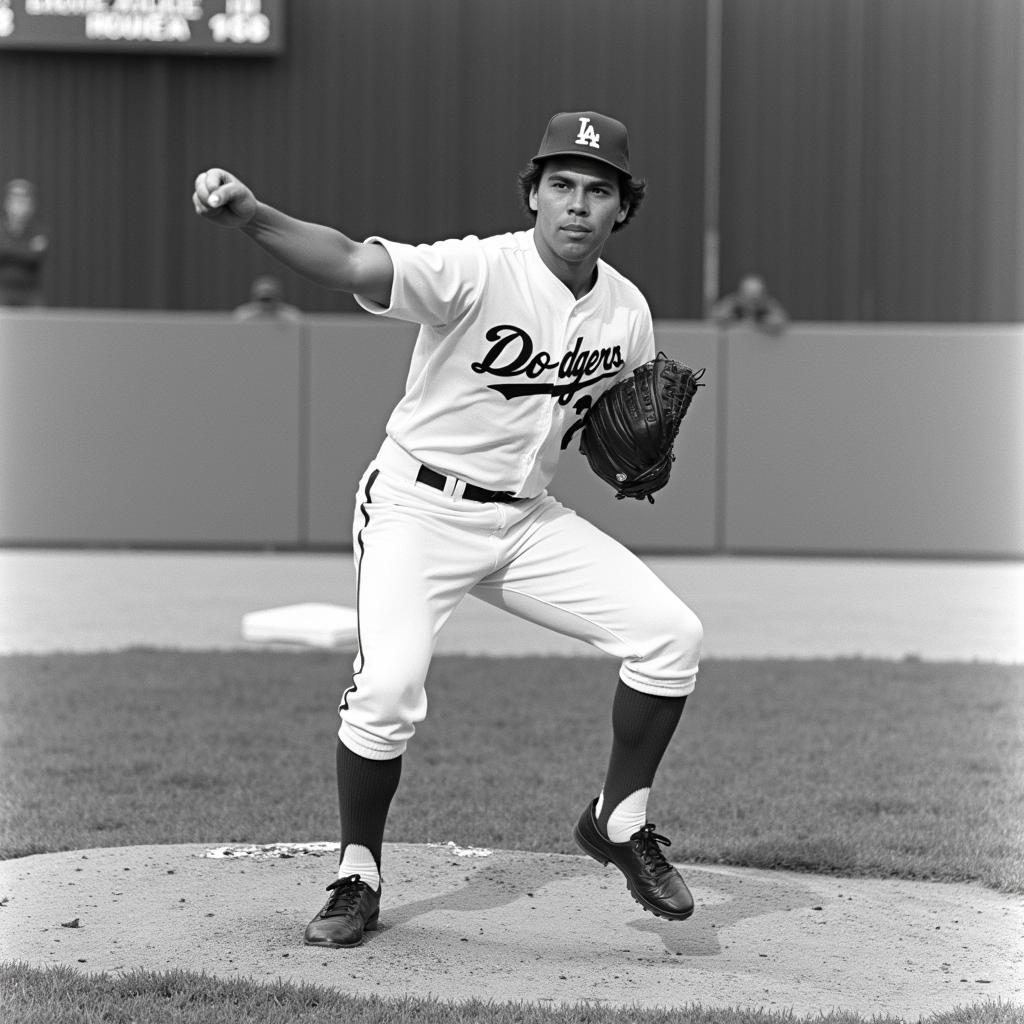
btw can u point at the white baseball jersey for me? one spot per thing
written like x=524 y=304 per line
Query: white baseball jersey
x=507 y=360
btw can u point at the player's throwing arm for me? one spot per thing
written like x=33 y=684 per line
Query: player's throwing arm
x=319 y=253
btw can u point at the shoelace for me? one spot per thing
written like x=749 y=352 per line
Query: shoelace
x=648 y=844
x=345 y=896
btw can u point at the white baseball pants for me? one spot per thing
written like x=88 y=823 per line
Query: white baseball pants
x=419 y=551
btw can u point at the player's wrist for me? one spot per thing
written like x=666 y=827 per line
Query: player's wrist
x=259 y=217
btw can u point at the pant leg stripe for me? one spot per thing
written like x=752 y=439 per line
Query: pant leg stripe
x=365 y=509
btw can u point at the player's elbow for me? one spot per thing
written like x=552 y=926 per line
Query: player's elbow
x=369 y=272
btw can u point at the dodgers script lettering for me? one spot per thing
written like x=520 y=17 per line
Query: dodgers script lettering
x=512 y=355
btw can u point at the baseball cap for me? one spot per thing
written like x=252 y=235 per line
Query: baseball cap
x=586 y=133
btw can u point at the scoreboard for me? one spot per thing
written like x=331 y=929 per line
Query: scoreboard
x=237 y=28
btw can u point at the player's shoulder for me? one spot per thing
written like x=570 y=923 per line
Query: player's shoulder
x=488 y=249
x=506 y=240
x=507 y=243
x=620 y=286
x=503 y=253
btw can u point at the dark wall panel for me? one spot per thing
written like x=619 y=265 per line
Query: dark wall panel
x=399 y=117
x=944 y=160
x=872 y=150
x=790 y=170
x=873 y=156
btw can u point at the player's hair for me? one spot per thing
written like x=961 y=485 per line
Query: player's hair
x=632 y=190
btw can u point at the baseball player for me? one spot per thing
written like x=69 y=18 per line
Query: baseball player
x=519 y=334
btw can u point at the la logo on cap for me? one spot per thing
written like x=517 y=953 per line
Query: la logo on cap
x=585 y=133
x=587 y=136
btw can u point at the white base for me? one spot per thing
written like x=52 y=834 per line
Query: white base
x=314 y=625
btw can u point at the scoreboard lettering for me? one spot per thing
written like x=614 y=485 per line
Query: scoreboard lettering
x=225 y=27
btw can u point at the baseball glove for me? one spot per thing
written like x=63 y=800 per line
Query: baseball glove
x=629 y=432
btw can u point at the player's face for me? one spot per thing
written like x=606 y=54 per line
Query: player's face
x=577 y=203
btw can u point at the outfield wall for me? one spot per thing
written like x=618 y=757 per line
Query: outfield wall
x=128 y=428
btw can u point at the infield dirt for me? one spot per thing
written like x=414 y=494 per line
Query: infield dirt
x=509 y=926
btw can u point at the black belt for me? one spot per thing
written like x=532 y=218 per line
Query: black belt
x=432 y=478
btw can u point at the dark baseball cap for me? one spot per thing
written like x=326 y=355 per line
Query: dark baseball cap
x=586 y=133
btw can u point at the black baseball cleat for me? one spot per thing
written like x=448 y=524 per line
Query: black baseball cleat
x=654 y=883
x=352 y=908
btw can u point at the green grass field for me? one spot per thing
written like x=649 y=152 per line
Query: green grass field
x=62 y=996
x=851 y=767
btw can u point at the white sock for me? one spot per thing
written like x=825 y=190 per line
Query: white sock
x=358 y=860
x=629 y=816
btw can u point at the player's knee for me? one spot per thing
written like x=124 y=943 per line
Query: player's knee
x=677 y=634
x=399 y=697
x=393 y=672
x=673 y=650
x=668 y=660
x=382 y=708
x=689 y=634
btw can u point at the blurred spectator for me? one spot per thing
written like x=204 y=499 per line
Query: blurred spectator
x=266 y=302
x=23 y=246
x=750 y=304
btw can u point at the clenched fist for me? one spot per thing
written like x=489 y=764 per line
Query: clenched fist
x=221 y=197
